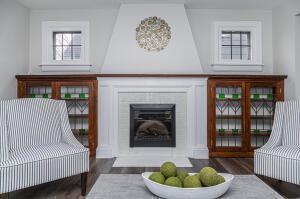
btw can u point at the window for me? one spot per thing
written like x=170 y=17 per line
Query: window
x=65 y=46
x=237 y=46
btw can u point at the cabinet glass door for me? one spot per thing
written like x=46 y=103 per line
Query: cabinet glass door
x=229 y=116
x=262 y=109
x=40 y=91
x=77 y=100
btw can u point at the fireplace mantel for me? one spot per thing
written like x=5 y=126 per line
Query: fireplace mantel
x=188 y=94
x=99 y=75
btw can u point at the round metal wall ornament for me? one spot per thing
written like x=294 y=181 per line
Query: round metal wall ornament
x=153 y=34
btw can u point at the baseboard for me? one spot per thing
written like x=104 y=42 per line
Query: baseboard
x=200 y=153
x=104 y=152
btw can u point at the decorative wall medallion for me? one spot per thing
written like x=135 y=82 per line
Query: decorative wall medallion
x=153 y=34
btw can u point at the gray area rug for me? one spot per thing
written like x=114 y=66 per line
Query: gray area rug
x=131 y=186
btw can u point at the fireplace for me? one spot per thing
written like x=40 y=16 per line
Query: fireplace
x=152 y=125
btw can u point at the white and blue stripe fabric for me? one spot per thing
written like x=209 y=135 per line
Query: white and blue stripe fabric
x=279 y=158
x=37 y=144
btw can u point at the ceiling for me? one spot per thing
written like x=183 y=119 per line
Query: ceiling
x=204 y=4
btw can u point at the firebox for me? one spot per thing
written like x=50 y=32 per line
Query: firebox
x=152 y=125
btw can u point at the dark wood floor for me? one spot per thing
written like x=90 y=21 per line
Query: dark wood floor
x=70 y=187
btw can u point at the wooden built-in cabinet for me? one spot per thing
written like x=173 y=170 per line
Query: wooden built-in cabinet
x=240 y=107
x=241 y=114
x=81 y=100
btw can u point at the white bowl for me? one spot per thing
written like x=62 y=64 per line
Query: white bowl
x=168 y=192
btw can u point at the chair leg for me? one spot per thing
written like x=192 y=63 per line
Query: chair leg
x=83 y=183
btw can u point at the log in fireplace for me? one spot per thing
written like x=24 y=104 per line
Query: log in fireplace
x=152 y=125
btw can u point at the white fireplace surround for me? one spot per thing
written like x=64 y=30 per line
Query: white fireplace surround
x=194 y=93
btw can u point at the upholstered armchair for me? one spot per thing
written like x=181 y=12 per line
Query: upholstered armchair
x=279 y=158
x=37 y=144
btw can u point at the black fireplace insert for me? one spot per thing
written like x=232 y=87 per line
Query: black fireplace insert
x=152 y=125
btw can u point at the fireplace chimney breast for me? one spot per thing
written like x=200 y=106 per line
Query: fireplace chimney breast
x=124 y=55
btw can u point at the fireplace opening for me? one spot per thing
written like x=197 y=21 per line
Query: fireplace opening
x=152 y=125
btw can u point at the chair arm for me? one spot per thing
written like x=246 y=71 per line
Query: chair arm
x=4 y=145
x=67 y=135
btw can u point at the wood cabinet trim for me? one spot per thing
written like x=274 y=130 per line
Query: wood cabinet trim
x=246 y=150
x=56 y=94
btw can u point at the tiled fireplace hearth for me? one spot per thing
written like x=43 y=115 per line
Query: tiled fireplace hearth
x=152 y=117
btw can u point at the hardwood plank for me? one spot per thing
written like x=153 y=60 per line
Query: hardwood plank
x=69 y=188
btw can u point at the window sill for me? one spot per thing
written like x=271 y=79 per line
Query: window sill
x=238 y=67
x=66 y=68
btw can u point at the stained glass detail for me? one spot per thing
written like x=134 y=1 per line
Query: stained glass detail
x=229 y=116
x=77 y=100
x=39 y=92
x=262 y=115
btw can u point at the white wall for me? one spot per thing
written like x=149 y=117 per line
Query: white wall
x=201 y=24
x=14 y=36
x=101 y=26
x=297 y=57
x=285 y=26
x=102 y=23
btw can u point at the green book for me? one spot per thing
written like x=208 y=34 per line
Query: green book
x=45 y=95
x=269 y=131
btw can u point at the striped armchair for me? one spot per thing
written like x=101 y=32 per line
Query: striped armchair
x=279 y=158
x=37 y=144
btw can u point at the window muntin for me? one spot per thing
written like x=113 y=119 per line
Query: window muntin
x=236 y=45
x=67 y=45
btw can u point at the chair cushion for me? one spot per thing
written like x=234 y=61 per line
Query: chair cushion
x=39 y=164
x=40 y=152
x=289 y=152
x=291 y=123
x=32 y=122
